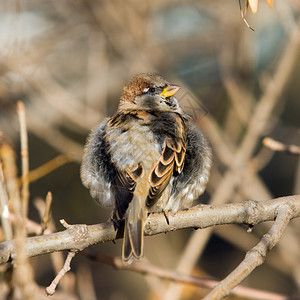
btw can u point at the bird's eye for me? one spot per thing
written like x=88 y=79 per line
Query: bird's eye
x=151 y=90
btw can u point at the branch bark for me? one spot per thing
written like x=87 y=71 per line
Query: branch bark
x=255 y=257
x=78 y=237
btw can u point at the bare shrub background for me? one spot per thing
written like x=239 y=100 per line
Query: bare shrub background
x=67 y=61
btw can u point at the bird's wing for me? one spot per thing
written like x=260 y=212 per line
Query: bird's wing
x=125 y=183
x=96 y=170
x=123 y=188
x=171 y=160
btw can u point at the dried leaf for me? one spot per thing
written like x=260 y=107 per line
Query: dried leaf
x=253 y=5
x=270 y=3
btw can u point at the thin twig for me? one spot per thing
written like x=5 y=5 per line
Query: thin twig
x=7 y=228
x=65 y=224
x=278 y=146
x=25 y=284
x=149 y=269
x=50 y=166
x=50 y=290
x=57 y=258
x=46 y=217
x=243 y=16
x=24 y=156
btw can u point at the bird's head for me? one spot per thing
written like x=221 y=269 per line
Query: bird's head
x=150 y=91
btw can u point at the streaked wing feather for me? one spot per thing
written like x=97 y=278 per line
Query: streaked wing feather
x=123 y=188
x=179 y=159
x=172 y=157
x=167 y=155
x=158 y=175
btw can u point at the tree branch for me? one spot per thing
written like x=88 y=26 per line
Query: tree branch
x=145 y=268
x=50 y=290
x=255 y=257
x=78 y=237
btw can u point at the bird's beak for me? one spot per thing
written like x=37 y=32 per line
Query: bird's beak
x=170 y=90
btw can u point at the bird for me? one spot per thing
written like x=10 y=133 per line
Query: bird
x=148 y=157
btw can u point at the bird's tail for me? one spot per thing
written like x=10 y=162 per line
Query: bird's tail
x=133 y=243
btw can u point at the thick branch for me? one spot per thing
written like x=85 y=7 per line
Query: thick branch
x=78 y=237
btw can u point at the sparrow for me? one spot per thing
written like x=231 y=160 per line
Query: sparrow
x=148 y=157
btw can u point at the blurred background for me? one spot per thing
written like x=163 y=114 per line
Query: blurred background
x=68 y=61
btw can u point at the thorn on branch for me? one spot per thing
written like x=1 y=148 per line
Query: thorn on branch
x=50 y=290
x=167 y=219
x=64 y=223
